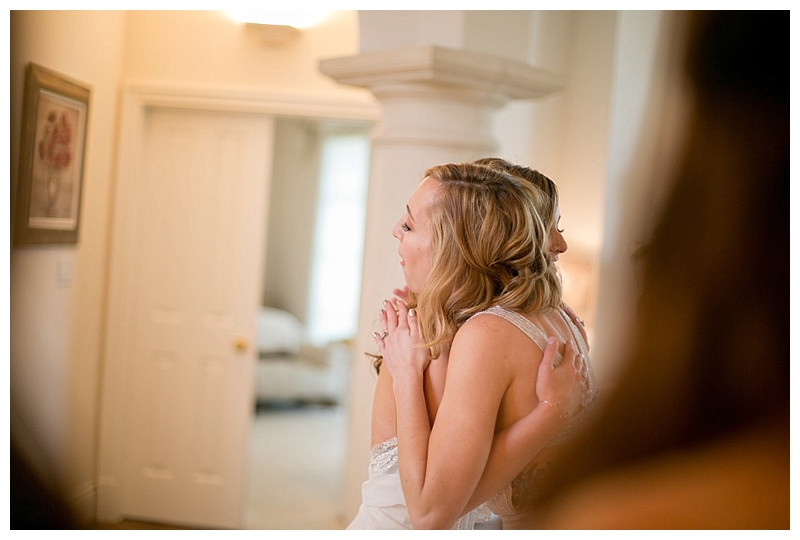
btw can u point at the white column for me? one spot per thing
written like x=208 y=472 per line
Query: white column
x=437 y=106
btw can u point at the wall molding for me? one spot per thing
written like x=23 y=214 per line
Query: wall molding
x=253 y=100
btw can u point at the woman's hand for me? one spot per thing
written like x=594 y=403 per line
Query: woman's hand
x=399 y=343
x=562 y=386
x=577 y=321
x=403 y=294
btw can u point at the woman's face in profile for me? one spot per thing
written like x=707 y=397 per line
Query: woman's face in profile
x=413 y=232
x=556 y=245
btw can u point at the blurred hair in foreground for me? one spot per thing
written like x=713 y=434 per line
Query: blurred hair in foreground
x=695 y=434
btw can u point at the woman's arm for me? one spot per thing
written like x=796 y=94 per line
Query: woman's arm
x=440 y=466
x=383 y=412
x=559 y=390
x=383 y=406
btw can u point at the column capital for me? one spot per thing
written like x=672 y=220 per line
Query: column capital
x=431 y=65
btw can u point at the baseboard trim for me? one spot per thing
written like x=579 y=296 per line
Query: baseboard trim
x=83 y=502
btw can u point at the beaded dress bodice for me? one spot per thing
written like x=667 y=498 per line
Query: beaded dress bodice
x=383 y=457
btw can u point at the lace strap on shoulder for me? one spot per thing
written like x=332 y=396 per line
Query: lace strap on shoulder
x=526 y=326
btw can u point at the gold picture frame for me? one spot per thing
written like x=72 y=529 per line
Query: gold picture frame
x=52 y=151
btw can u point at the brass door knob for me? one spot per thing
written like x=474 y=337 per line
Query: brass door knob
x=240 y=345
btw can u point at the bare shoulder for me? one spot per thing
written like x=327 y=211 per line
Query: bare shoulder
x=484 y=331
x=493 y=336
x=486 y=325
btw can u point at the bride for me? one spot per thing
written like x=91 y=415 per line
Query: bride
x=474 y=254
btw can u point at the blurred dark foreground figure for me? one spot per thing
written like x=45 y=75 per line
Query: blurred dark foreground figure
x=696 y=433
x=34 y=504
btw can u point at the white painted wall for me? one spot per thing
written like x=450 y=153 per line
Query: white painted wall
x=57 y=293
x=206 y=48
x=568 y=134
x=295 y=184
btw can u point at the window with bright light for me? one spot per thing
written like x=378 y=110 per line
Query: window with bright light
x=338 y=239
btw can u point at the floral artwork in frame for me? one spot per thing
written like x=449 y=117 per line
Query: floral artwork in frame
x=53 y=144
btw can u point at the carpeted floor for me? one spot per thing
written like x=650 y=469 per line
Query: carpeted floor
x=297 y=468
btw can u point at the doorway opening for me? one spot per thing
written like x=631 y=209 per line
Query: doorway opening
x=307 y=324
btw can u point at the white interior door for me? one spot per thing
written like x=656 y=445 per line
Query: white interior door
x=196 y=264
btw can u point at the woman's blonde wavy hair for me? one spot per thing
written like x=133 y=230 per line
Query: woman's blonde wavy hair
x=488 y=247
x=546 y=211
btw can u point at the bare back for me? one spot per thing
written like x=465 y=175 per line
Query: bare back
x=520 y=397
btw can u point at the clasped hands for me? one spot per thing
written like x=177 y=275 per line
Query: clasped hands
x=400 y=343
x=562 y=387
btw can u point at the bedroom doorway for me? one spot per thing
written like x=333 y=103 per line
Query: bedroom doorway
x=308 y=320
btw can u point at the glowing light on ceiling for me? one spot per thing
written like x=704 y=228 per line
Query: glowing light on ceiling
x=295 y=19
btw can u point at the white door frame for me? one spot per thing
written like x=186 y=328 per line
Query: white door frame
x=122 y=288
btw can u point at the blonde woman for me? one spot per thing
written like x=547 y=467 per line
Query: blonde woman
x=474 y=255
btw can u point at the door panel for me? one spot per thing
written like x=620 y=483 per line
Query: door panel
x=200 y=242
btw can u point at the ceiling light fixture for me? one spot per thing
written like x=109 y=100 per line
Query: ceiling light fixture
x=296 y=19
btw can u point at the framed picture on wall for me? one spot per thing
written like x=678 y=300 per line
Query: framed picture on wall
x=52 y=150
